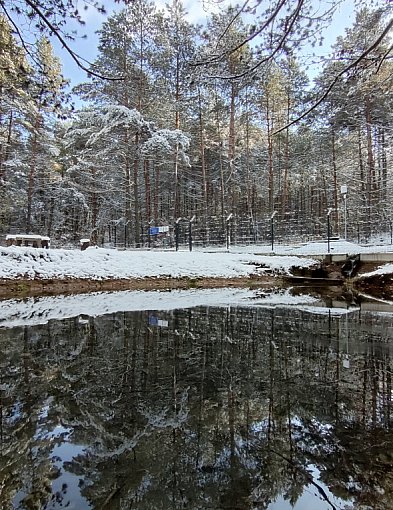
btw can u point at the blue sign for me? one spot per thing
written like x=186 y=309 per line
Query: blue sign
x=153 y=231
x=153 y=321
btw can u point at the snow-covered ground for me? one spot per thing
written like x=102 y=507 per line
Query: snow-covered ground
x=101 y=263
x=104 y=263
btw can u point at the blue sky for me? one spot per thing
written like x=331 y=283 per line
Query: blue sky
x=87 y=48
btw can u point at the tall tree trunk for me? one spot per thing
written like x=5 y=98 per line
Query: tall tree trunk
x=176 y=206
x=94 y=212
x=335 y=195
x=221 y=164
x=137 y=234
x=249 y=186
x=140 y=94
x=231 y=146
x=284 y=196
x=4 y=147
x=384 y=164
x=156 y=192
x=32 y=172
x=146 y=172
x=269 y=123
x=203 y=167
x=128 y=193
x=371 y=188
x=361 y=164
x=176 y=200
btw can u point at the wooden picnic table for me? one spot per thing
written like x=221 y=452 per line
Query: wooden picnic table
x=32 y=240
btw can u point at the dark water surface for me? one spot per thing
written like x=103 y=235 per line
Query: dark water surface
x=202 y=408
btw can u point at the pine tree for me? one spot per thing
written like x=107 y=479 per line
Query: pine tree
x=14 y=101
x=359 y=108
x=46 y=91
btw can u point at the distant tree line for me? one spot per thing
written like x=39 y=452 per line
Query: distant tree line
x=198 y=122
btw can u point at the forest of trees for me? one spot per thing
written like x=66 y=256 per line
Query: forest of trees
x=192 y=130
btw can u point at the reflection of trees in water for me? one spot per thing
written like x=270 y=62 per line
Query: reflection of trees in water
x=225 y=408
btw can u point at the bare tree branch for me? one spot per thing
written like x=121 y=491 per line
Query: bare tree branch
x=56 y=32
x=18 y=33
x=231 y=22
x=247 y=39
x=385 y=57
x=294 y=16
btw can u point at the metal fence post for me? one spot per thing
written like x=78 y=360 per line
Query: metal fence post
x=328 y=228
x=272 y=228
x=177 y=232
x=190 y=232
x=228 y=233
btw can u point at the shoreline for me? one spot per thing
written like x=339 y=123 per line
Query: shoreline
x=377 y=285
x=22 y=287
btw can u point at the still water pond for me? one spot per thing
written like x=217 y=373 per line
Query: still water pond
x=235 y=407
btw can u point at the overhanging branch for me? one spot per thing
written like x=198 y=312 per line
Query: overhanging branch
x=291 y=21
x=56 y=32
x=338 y=76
